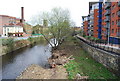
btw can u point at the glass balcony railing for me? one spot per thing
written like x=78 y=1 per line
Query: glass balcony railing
x=91 y=22
x=108 y=5
x=118 y=34
x=89 y=27
x=118 y=13
x=107 y=19
x=88 y=18
x=107 y=12
x=107 y=26
x=118 y=24
x=119 y=3
x=91 y=18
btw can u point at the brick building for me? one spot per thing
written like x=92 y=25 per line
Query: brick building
x=104 y=21
x=85 y=25
x=12 y=26
x=113 y=22
x=7 y=23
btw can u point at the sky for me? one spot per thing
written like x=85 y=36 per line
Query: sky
x=77 y=8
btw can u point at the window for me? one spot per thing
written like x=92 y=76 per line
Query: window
x=112 y=22
x=113 y=14
x=8 y=29
x=116 y=21
x=113 y=6
x=112 y=30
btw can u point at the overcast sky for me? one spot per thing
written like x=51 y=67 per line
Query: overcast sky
x=77 y=8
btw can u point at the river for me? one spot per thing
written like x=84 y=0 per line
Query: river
x=14 y=63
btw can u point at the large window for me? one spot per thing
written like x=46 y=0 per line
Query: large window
x=112 y=22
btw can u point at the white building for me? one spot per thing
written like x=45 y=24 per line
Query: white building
x=12 y=30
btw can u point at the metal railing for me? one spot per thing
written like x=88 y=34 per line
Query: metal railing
x=95 y=45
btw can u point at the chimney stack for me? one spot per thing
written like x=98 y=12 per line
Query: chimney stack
x=22 y=14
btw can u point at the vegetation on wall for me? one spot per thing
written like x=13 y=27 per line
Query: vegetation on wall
x=11 y=45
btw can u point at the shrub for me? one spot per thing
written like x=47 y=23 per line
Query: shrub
x=7 y=42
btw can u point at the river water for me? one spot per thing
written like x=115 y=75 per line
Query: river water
x=14 y=63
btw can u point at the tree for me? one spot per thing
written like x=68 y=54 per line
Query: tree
x=59 y=23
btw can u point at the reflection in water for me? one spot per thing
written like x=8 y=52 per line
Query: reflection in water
x=14 y=63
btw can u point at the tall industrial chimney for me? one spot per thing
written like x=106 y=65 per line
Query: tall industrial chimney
x=22 y=14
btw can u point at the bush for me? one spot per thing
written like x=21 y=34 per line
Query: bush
x=7 y=42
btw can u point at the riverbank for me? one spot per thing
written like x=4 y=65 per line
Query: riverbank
x=10 y=45
x=78 y=64
x=83 y=63
x=37 y=72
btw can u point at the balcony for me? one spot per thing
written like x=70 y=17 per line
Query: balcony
x=107 y=26
x=91 y=22
x=82 y=23
x=118 y=34
x=91 y=18
x=107 y=19
x=108 y=5
x=119 y=3
x=89 y=27
x=107 y=12
x=118 y=24
x=90 y=32
x=88 y=18
x=118 y=13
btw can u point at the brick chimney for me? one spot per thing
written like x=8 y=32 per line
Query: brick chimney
x=22 y=14
x=22 y=18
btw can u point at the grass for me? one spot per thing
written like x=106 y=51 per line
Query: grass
x=84 y=64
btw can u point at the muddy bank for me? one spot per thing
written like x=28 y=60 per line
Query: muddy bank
x=37 y=72
x=56 y=70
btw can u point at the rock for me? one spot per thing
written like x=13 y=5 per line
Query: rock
x=32 y=71
x=55 y=56
x=78 y=76
x=63 y=54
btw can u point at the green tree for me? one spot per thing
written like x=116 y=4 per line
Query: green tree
x=59 y=25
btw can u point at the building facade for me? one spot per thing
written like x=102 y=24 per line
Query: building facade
x=9 y=24
x=85 y=25
x=104 y=21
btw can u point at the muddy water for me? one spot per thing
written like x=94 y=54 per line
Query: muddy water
x=14 y=63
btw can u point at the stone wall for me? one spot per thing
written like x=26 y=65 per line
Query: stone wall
x=109 y=60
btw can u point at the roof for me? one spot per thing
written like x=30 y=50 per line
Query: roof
x=10 y=17
x=84 y=17
x=90 y=4
x=12 y=26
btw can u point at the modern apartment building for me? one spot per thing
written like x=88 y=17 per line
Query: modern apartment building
x=93 y=16
x=113 y=21
x=104 y=21
x=104 y=32
x=85 y=24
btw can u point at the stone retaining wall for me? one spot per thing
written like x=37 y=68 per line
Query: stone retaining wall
x=109 y=60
